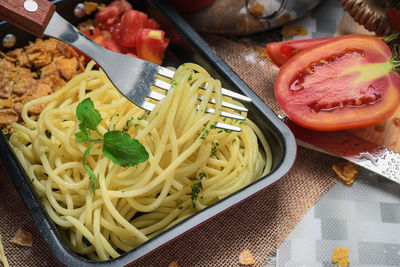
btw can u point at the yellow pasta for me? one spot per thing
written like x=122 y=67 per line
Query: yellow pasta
x=191 y=163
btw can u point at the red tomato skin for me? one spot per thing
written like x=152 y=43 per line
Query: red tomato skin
x=294 y=103
x=111 y=45
x=115 y=32
x=149 y=48
x=393 y=15
x=107 y=16
x=153 y=24
x=122 y=5
x=280 y=52
x=132 y=21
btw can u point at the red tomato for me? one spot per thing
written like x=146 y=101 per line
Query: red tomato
x=346 y=82
x=153 y=24
x=151 y=45
x=132 y=21
x=108 y=15
x=115 y=31
x=280 y=52
x=111 y=45
x=122 y=5
x=393 y=15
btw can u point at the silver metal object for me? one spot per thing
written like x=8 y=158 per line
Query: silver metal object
x=30 y=5
x=9 y=40
x=350 y=147
x=79 y=10
x=235 y=17
x=131 y=76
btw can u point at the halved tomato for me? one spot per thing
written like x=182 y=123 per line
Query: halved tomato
x=346 y=82
x=280 y=52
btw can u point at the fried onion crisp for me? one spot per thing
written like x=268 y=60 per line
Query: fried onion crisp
x=341 y=256
x=292 y=30
x=246 y=258
x=37 y=70
x=173 y=264
x=347 y=171
x=257 y=10
x=8 y=116
x=22 y=238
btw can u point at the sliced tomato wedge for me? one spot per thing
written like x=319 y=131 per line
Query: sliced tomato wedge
x=280 y=52
x=132 y=21
x=347 y=82
x=151 y=45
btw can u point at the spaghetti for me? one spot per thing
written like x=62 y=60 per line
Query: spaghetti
x=191 y=163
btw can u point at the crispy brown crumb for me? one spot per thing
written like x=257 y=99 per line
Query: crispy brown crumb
x=90 y=7
x=173 y=264
x=291 y=30
x=341 y=256
x=347 y=171
x=36 y=70
x=22 y=238
x=257 y=10
x=8 y=116
x=246 y=258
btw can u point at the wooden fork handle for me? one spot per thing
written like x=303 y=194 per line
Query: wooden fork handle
x=34 y=21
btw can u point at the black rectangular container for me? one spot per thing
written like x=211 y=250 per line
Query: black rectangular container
x=185 y=46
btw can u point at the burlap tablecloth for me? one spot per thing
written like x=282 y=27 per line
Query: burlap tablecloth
x=259 y=224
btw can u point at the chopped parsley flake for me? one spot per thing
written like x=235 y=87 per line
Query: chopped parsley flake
x=197 y=187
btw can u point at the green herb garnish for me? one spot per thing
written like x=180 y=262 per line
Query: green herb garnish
x=197 y=187
x=117 y=145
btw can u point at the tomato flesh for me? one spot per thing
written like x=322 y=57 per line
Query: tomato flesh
x=131 y=23
x=347 y=82
x=151 y=45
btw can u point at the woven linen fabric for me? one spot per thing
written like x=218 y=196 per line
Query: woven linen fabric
x=259 y=224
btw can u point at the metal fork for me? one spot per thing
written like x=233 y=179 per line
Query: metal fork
x=133 y=77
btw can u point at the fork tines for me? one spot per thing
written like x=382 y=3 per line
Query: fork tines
x=166 y=86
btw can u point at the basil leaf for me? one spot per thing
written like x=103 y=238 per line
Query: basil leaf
x=89 y=117
x=83 y=136
x=88 y=170
x=123 y=150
